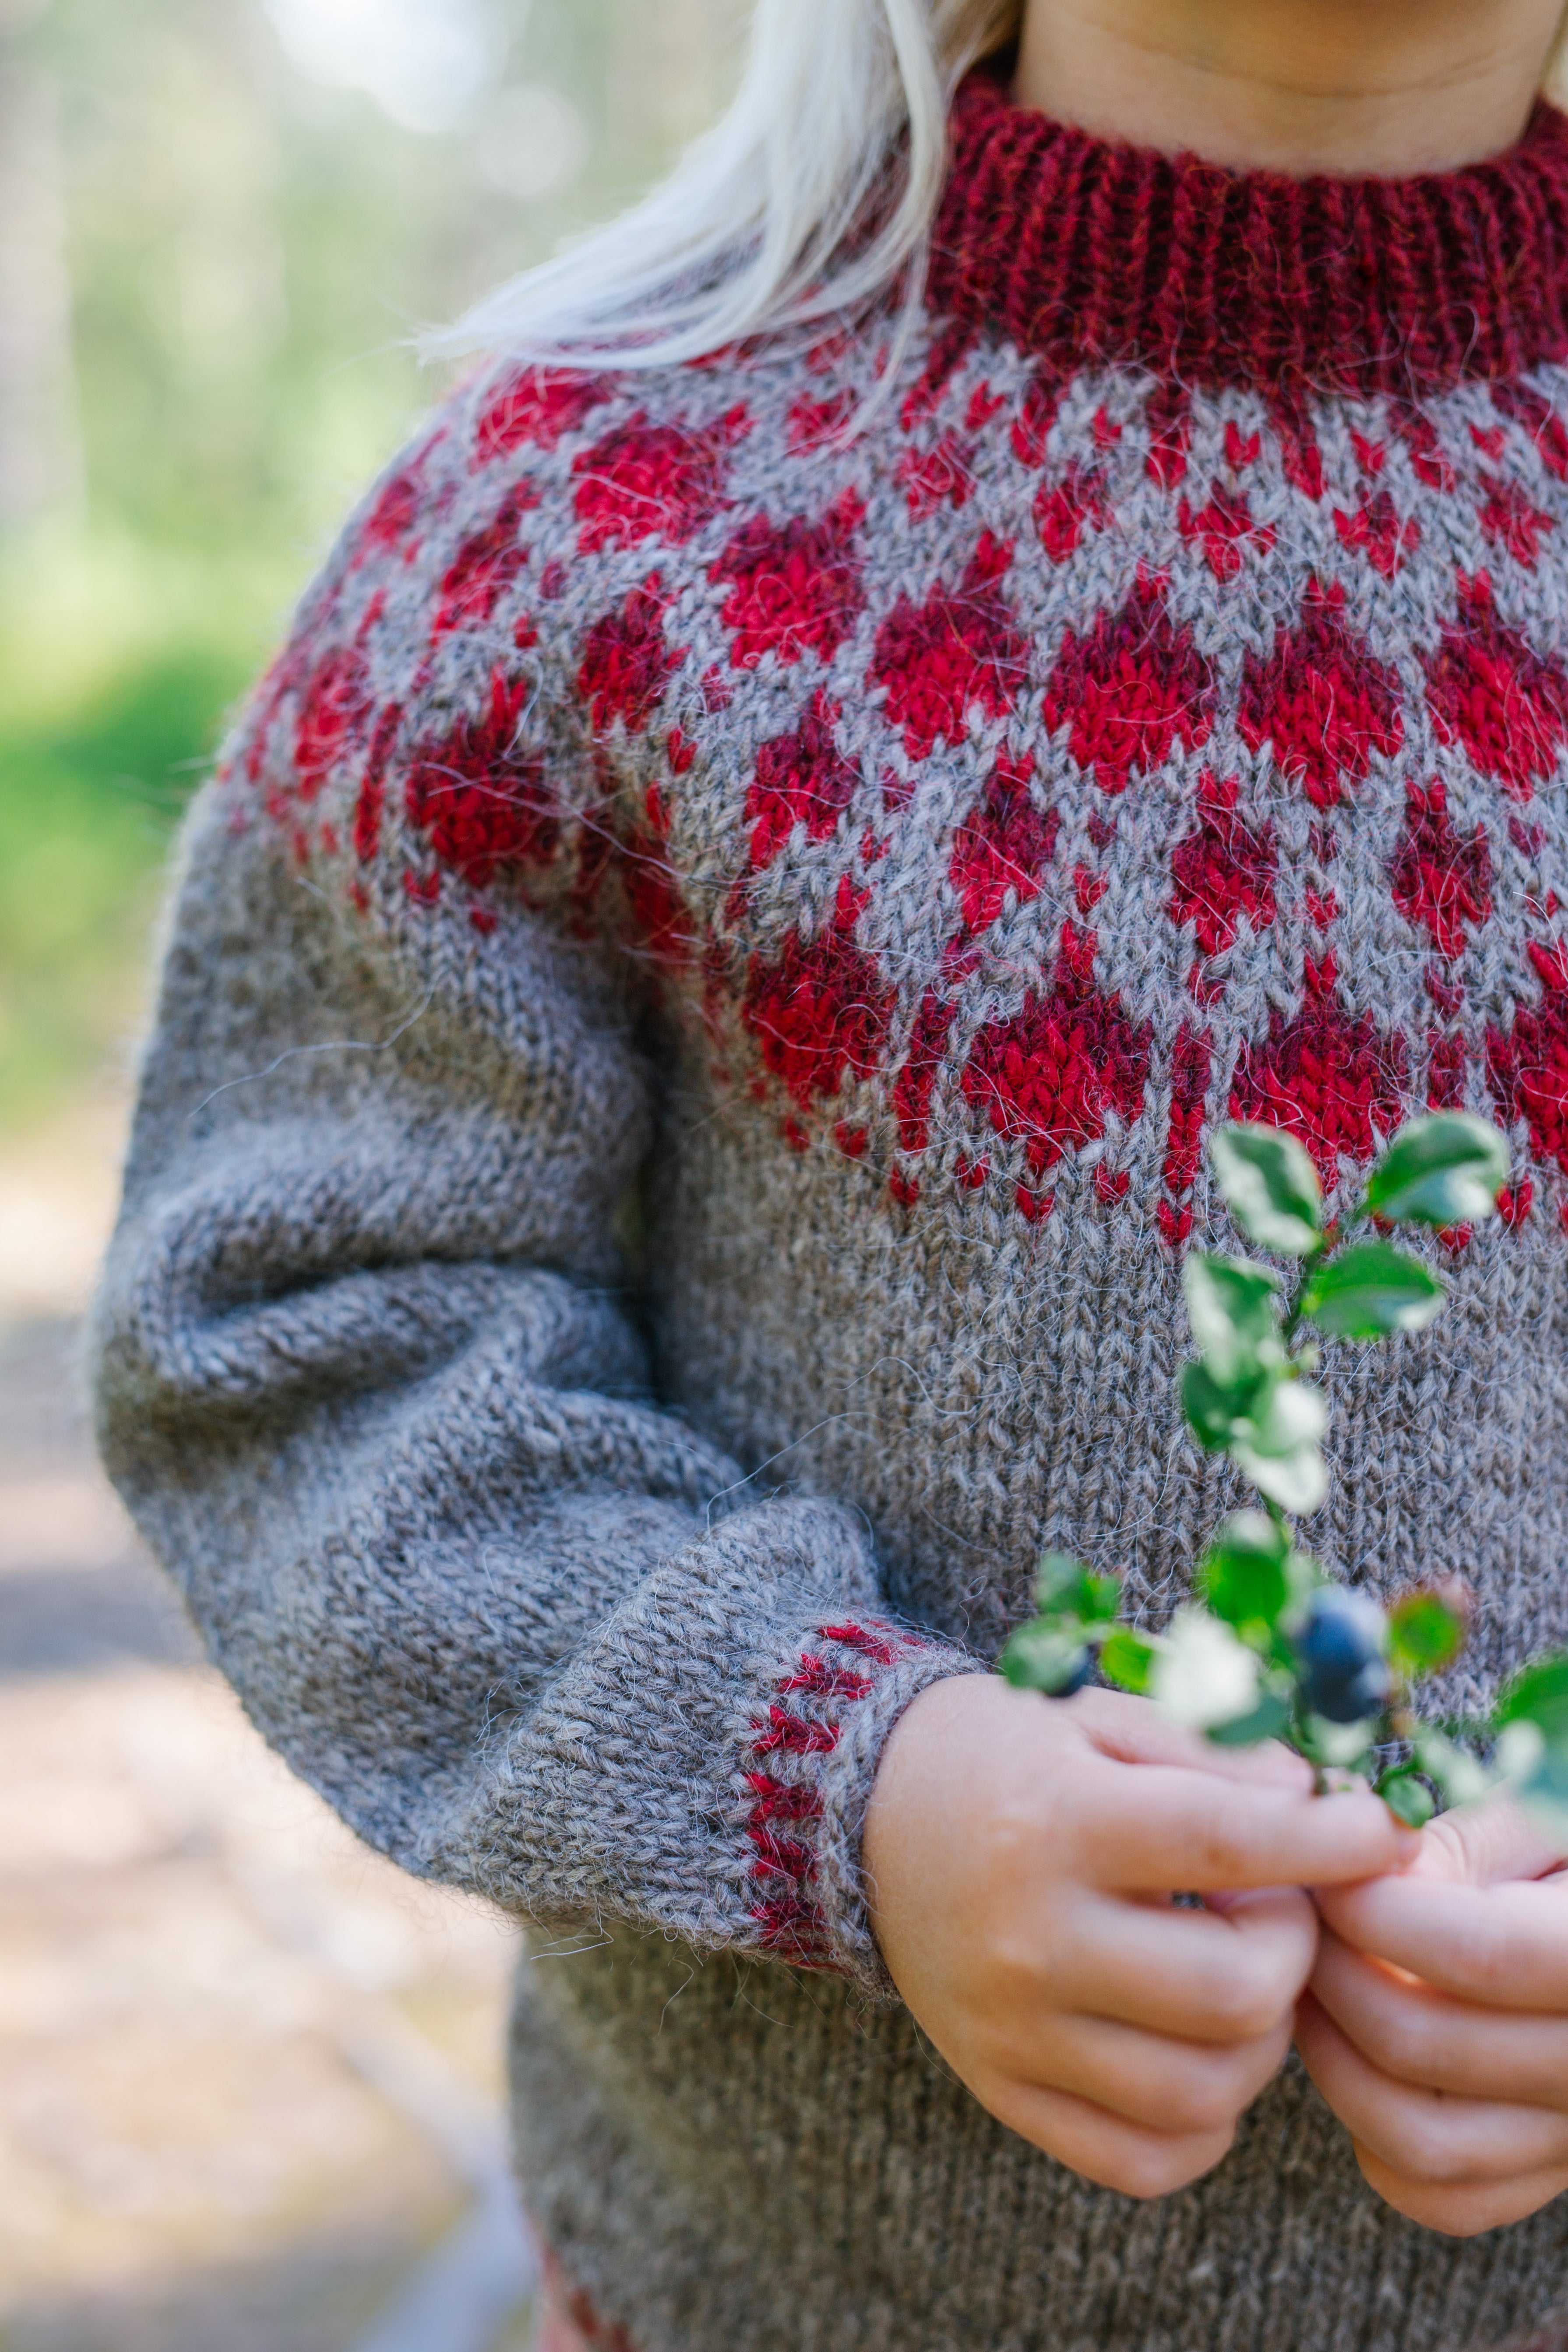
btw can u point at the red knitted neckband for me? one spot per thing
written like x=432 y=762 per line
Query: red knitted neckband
x=1083 y=250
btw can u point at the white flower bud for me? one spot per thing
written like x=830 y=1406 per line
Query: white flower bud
x=1204 y=1676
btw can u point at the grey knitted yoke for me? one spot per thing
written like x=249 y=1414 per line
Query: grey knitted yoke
x=675 y=1114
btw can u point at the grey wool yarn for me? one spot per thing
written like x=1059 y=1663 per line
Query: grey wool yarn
x=675 y=1113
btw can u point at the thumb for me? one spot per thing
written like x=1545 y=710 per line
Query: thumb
x=1480 y=1845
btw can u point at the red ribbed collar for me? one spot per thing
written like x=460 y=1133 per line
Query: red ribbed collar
x=1085 y=251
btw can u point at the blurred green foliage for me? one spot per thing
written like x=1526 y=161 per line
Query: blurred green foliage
x=248 y=250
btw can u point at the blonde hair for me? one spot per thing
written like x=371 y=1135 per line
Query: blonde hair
x=811 y=199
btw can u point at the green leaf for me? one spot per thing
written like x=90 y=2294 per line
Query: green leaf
x=1277 y=1447
x=1242 y=1576
x=1371 y=1291
x=1407 y=1798
x=1068 y=1592
x=1057 y=1573
x=1443 y=1171
x=1214 y=1413
x=1539 y=1695
x=1425 y=1633
x=1269 y=1719
x=1270 y=1186
x=1041 y=1657
x=1127 y=1660
x=1233 y=1310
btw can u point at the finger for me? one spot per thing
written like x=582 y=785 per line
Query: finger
x=1131 y=1731
x=1197 y=1975
x=1177 y=2088
x=1498 y=1947
x=1435 y=2044
x=1465 y=2210
x=1173 y=1827
x=1421 y=2135
x=1481 y=1844
x=1103 y=2146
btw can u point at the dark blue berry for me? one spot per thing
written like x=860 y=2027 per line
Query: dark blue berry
x=1343 y=1672
x=1082 y=1673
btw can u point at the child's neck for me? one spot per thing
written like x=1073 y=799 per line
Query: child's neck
x=1387 y=87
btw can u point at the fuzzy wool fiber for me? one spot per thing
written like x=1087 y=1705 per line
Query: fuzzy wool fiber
x=675 y=1113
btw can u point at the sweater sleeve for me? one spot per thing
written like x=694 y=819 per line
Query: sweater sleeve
x=371 y=1382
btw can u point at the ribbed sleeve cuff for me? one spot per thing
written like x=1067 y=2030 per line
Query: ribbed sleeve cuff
x=807 y=1764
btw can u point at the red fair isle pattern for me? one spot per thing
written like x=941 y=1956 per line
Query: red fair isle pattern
x=1337 y=1082
x=794 y=589
x=1442 y=879
x=959 y=651
x=1320 y=701
x=977 y=840
x=1223 y=871
x=822 y=1010
x=1490 y=692
x=1004 y=845
x=803 y=1723
x=653 y=481
x=1049 y=1076
x=1529 y=1062
x=1129 y=690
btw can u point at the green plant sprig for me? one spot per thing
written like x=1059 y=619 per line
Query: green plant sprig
x=1271 y=1647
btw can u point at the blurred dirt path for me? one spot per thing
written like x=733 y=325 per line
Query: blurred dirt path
x=249 y=2073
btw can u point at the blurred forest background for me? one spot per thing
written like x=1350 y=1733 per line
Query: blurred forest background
x=220 y=221
x=250 y=2077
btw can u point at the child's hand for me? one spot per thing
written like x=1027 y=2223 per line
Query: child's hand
x=1021 y=1857
x=1453 y=2088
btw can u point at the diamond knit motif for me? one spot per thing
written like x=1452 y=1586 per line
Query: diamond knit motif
x=654 y=481
x=1322 y=699
x=627 y=661
x=1129 y=688
x=955 y=982
x=823 y=1009
x=1004 y=845
x=335 y=710
x=1441 y=879
x=483 y=805
x=793 y=590
x=1337 y=1082
x=1529 y=1062
x=959 y=651
x=1050 y=1075
x=485 y=564
x=1489 y=690
x=1224 y=872
x=801 y=778
x=536 y=409
x=1028 y=735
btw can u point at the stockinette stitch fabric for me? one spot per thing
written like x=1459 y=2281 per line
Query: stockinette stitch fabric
x=676 y=1112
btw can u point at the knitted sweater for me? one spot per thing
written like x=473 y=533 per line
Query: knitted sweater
x=677 y=1111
